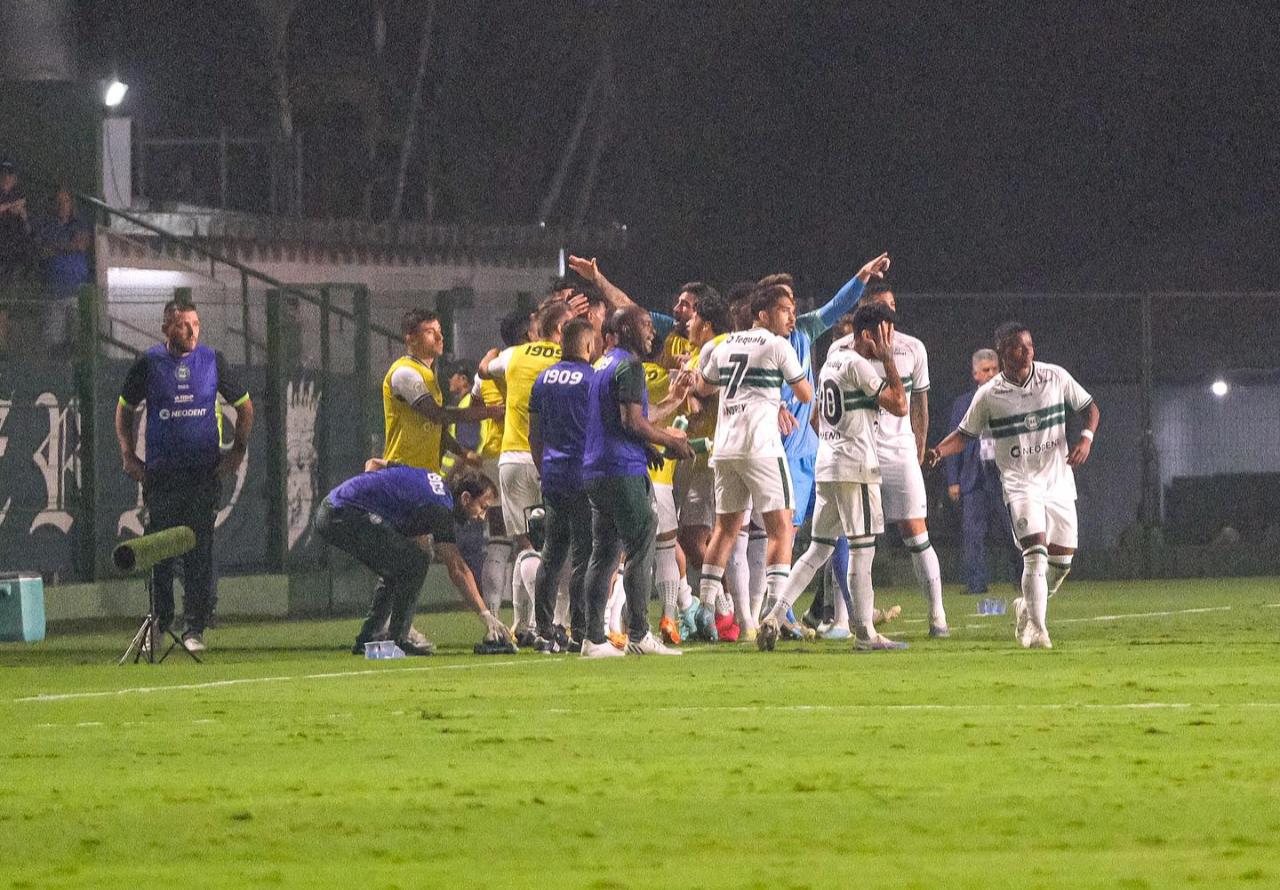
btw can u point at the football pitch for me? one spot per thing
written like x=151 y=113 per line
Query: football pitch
x=1139 y=752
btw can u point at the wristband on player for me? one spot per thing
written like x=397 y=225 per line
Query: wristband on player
x=1086 y=434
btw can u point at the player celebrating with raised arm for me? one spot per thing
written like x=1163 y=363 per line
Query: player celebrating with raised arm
x=1025 y=407
x=749 y=369
x=900 y=443
x=847 y=498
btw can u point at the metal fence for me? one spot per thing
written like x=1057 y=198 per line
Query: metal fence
x=1184 y=478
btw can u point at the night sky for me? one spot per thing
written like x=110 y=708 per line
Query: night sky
x=1068 y=147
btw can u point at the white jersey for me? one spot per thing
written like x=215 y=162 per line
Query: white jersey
x=894 y=439
x=1028 y=426
x=848 y=405
x=750 y=368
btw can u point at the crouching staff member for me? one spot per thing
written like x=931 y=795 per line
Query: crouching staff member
x=388 y=518
x=180 y=381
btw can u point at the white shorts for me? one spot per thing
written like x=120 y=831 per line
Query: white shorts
x=1055 y=519
x=902 y=491
x=847 y=508
x=699 y=505
x=746 y=482
x=519 y=489
x=664 y=501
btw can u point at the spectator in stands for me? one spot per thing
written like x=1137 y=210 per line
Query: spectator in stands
x=15 y=227
x=64 y=245
x=973 y=482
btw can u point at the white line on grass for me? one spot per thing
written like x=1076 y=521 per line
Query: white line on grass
x=1121 y=617
x=214 y=684
x=1036 y=706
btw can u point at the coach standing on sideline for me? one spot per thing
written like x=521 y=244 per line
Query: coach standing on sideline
x=180 y=381
x=973 y=482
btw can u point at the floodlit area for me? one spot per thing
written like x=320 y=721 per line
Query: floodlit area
x=1138 y=752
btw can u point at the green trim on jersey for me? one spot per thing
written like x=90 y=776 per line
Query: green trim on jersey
x=1017 y=424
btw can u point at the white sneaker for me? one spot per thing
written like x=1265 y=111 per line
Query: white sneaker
x=1039 y=639
x=601 y=650
x=877 y=643
x=835 y=631
x=418 y=638
x=651 y=645
x=1021 y=620
x=193 y=642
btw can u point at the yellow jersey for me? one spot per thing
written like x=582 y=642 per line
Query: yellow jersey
x=490 y=430
x=411 y=438
x=520 y=366
x=658 y=382
x=674 y=348
x=703 y=424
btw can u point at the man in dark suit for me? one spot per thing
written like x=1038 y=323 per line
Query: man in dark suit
x=973 y=482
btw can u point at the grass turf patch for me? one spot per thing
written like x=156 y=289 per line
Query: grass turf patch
x=1139 y=752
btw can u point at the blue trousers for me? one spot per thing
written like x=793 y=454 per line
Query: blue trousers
x=983 y=511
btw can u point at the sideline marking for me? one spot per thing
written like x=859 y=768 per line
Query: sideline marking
x=243 y=681
x=1165 y=614
x=1013 y=706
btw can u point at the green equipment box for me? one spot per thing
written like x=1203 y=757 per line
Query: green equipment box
x=21 y=608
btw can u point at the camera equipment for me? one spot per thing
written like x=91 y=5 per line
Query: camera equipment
x=141 y=555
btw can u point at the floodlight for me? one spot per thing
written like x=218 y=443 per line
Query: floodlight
x=113 y=95
x=1219 y=388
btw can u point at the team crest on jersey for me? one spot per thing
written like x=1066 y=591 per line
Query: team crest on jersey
x=183 y=373
x=1032 y=422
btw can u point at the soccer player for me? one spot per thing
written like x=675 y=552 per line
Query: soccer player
x=1025 y=407
x=620 y=446
x=851 y=394
x=900 y=445
x=390 y=518
x=414 y=412
x=665 y=401
x=557 y=436
x=519 y=367
x=749 y=368
x=496 y=574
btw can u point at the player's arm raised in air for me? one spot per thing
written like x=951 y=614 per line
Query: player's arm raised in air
x=589 y=270
x=845 y=299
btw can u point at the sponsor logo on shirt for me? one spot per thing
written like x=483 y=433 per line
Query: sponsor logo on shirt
x=183 y=372
x=166 y=414
x=1019 y=451
x=184 y=397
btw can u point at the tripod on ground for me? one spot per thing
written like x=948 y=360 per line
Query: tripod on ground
x=149 y=635
x=140 y=555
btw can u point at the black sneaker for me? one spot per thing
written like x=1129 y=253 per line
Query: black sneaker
x=561 y=636
x=574 y=646
x=410 y=648
x=526 y=638
x=545 y=646
x=494 y=647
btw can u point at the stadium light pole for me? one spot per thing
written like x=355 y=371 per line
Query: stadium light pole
x=113 y=92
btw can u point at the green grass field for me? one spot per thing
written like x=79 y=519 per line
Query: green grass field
x=1140 y=752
